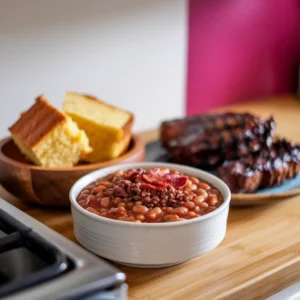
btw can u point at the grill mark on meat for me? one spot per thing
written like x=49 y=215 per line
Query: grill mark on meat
x=268 y=168
x=208 y=140
x=240 y=145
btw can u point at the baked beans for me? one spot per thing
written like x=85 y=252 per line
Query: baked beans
x=149 y=196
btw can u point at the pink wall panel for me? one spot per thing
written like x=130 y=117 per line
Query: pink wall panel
x=241 y=50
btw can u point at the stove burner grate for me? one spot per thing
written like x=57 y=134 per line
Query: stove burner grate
x=26 y=258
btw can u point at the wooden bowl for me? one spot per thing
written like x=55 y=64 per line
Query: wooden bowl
x=51 y=186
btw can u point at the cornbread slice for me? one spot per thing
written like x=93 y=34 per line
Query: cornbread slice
x=48 y=137
x=107 y=127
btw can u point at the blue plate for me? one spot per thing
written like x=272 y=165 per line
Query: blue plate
x=282 y=188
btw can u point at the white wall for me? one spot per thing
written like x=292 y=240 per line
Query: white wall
x=131 y=53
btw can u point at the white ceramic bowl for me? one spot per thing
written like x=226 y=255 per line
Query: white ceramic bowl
x=150 y=245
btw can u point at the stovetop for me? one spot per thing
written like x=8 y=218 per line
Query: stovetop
x=38 y=263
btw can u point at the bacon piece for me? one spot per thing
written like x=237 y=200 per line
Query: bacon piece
x=131 y=174
x=175 y=181
x=164 y=181
x=154 y=180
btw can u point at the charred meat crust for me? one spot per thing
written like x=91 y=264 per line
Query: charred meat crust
x=206 y=141
x=240 y=146
x=267 y=168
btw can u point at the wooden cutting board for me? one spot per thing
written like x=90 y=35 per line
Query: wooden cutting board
x=259 y=256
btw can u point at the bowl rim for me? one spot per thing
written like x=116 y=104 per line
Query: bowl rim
x=137 y=146
x=90 y=177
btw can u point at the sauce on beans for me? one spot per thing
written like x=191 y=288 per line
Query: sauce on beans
x=149 y=196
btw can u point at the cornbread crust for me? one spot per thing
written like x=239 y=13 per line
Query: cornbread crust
x=49 y=137
x=42 y=113
x=127 y=134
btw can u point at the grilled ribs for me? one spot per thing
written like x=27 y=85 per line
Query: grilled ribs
x=241 y=147
x=264 y=169
x=207 y=141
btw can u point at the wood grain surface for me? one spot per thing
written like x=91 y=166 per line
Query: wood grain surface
x=259 y=256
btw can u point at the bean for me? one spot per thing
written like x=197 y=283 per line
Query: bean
x=191 y=214
x=194 y=187
x=93 y=211
x=112 y=211
x=151 y=214
x=98 y=189
x=157 y=210
x=106 y=183
x=159 y=219
x=116 y=201
x=82 y=197
x=82 y=203
x=189 y=185
x=201 y=192
x=105 y=202
x=85 y=192
x=189 y=204
x=125 y=200
x=140 y=217
x=212 y=200
x=100 y=195
x=121 y=209
x=139 y=209
x=203 y=186
x=197 y=209
x=172 y=217
x=198 y=199
x=119 y=173
x=194 y=180
x=104 y=214
x=138 y=203
x=121 y=204
x=203 y=205
x=129 y=205
x=169 y=210
x=180 y=210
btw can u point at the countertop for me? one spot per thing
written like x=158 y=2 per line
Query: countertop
x=259 y=256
